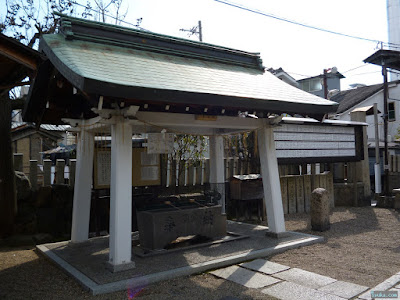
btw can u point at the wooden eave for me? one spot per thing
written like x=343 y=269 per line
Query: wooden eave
x=17 y=61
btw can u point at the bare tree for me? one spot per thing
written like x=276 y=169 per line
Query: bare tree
x=111 y=8
x=26 y=21
x=188 y=151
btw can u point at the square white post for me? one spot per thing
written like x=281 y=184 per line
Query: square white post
x=217 y=168
x=271 y=182
x=83 y=187
x=121 y=197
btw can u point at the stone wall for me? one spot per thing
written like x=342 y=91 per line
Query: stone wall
x=46 y=210
x=345 y=195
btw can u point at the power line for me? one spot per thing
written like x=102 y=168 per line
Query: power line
x=354 y=68
x=302 y=24
x=366 y=73
x=293 y=73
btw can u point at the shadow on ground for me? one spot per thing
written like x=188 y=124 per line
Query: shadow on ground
x=38 y=278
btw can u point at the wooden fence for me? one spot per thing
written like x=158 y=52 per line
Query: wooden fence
x=47 y=174
x=297 y=182
x=296 y=191
x=394 y=163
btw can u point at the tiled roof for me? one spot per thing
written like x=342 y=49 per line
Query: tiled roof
x=350 y=98
x=146 y=69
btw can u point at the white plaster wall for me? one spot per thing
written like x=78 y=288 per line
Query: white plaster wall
x=393 y=126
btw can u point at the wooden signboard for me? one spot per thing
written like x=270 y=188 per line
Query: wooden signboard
x=161 y=143
x=145 y=168
x=317 y=143
x=102 y=168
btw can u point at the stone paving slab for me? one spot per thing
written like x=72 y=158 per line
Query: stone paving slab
x=384 y=286
x=245 y=277
x=308 y=279
x=292 y=291
x=343 y=289
x=366 y=295
x=264 y=266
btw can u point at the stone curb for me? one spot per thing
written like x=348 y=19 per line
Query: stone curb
x=141 y=281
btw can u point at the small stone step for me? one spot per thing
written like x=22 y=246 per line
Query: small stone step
x=264 y=266
x=245 y=277
x=290 y=291
x=343 y=289
x=308 y=279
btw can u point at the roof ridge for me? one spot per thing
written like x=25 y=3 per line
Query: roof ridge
x=93 y=31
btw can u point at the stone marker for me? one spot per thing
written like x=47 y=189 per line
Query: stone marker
x=320 y=208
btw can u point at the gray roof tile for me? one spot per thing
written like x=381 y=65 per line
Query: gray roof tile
x=350 y=98
x=131 y=67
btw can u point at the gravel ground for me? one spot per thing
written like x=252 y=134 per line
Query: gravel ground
x=24 y=274
x=362 y=246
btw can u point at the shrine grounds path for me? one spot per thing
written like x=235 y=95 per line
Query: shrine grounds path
x=362 y=247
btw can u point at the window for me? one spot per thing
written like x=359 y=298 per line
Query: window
x=311 y=85
x=315 y=85
x=391 y=112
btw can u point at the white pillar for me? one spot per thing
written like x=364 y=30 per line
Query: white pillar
x=217 y=168
x=83 y=187
x=271 y=182
x=121 y=197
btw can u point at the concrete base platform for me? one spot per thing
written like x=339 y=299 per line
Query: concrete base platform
x=122 y=267
x=87 y=263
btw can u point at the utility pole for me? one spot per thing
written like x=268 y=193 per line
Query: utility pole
x=332 y=70
x=325 y=84
x=377 y=168
x=195 y=30
x=385 y=128
x=200 y=32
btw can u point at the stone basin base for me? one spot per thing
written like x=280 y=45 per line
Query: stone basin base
x=157 y=228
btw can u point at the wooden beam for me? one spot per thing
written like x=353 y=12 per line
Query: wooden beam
x=189 y=121
x=18 y=57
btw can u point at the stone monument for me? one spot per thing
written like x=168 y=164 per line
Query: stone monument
x=320 y=210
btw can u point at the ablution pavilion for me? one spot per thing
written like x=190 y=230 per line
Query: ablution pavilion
x=105 y=78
